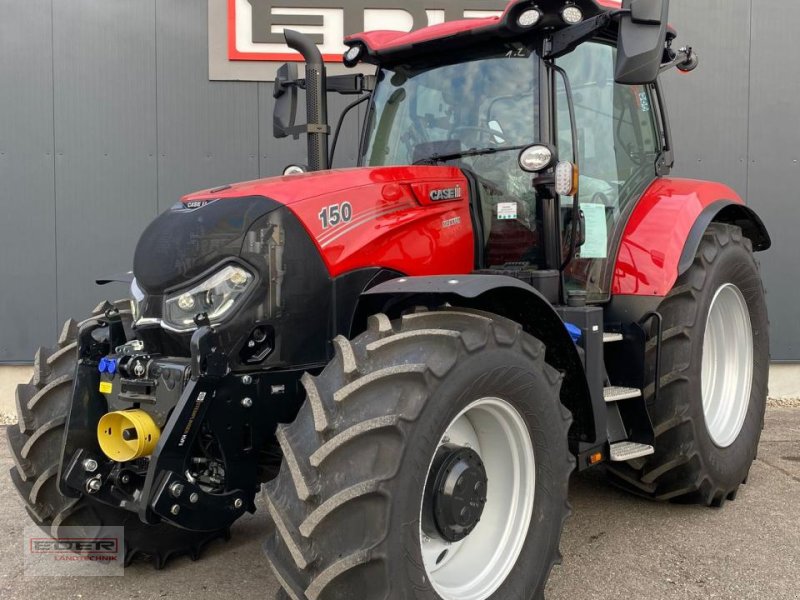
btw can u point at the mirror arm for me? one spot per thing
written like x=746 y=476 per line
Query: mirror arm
x=566 y=40
x=685 y=60
x=338 y=129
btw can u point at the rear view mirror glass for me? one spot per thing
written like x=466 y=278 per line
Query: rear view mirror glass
x=285 y=94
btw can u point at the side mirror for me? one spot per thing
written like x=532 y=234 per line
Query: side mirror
x=285 y=94
x=642 y=35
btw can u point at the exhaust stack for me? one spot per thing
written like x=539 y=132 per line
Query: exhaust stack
x=316 y=99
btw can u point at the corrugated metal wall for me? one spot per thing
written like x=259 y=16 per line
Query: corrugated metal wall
x=737 y=120
x=107 y=117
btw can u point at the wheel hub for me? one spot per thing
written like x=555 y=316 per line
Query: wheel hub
x=457 y=488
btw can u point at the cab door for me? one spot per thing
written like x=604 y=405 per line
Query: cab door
x=619 y=144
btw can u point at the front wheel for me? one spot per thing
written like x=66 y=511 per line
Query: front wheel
x=429 y=461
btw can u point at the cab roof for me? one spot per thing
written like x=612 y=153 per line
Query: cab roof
x=385 y=46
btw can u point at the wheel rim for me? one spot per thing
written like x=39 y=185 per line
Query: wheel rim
x=473 y=568
x=727 y=369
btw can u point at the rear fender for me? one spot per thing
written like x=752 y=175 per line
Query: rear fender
x=664 y=231
x=507 y=297
x=724 y=211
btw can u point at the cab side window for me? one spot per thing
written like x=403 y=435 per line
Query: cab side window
x=618 y=146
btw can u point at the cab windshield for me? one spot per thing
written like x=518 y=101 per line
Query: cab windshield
x=486 y=103
x=475 y=115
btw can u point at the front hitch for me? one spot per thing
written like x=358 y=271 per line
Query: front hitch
x=233 y=410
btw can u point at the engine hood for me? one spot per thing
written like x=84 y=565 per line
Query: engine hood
x=313 y=242
x=405 y=218
x=411 y=219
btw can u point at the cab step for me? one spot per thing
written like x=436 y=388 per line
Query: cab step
x=622 y=451
x=609 y=337
x=616 y=393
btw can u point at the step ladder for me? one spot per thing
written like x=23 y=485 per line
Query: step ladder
x=623 y=450
x=616 y=393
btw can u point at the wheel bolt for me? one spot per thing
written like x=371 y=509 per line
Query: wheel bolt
x=247 y=379
x=247 y=402
x=90 y=465
x=176 y=489
x=175 y=509
x=193 y=497
x=238 y=503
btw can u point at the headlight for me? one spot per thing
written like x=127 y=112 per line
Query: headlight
x=216 y=296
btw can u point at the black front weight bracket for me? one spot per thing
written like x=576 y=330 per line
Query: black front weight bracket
x=237 y=415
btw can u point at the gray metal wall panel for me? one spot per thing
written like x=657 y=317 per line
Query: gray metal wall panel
x=207 y=131
x=709 y=106
x=105 y=133
x=774 y=182
x=27 y=226
x=126 y=106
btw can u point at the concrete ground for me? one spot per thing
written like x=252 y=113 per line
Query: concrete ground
x=615 y=546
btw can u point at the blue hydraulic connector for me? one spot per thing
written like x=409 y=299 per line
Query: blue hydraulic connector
x=574 y=332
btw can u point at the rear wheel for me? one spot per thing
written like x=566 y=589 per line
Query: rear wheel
x=429 y=461
x=715 y=365
x=42 y=408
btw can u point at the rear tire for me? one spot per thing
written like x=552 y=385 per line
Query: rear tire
x=42 y=408
x=707 y=427
x=347 y=502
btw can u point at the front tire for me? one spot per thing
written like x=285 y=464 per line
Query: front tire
x=715 y=367
x=351 y=504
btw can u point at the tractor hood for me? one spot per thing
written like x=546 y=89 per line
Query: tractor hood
x=370 y=216
x=343 y=212
x=305 y=240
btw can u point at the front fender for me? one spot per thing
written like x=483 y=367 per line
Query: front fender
x=665 y=228
x=510 y=298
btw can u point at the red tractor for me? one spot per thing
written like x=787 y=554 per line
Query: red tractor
x=413 y=355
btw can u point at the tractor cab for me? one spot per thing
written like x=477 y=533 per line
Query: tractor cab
x=552 y=112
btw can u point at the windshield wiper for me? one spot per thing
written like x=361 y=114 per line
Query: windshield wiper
x=434 y=158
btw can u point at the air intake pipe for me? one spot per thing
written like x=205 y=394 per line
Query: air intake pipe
x=316 y=99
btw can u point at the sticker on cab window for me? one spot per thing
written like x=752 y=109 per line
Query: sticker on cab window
x=506 y=210
x=596 y=244
x=644 y=102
